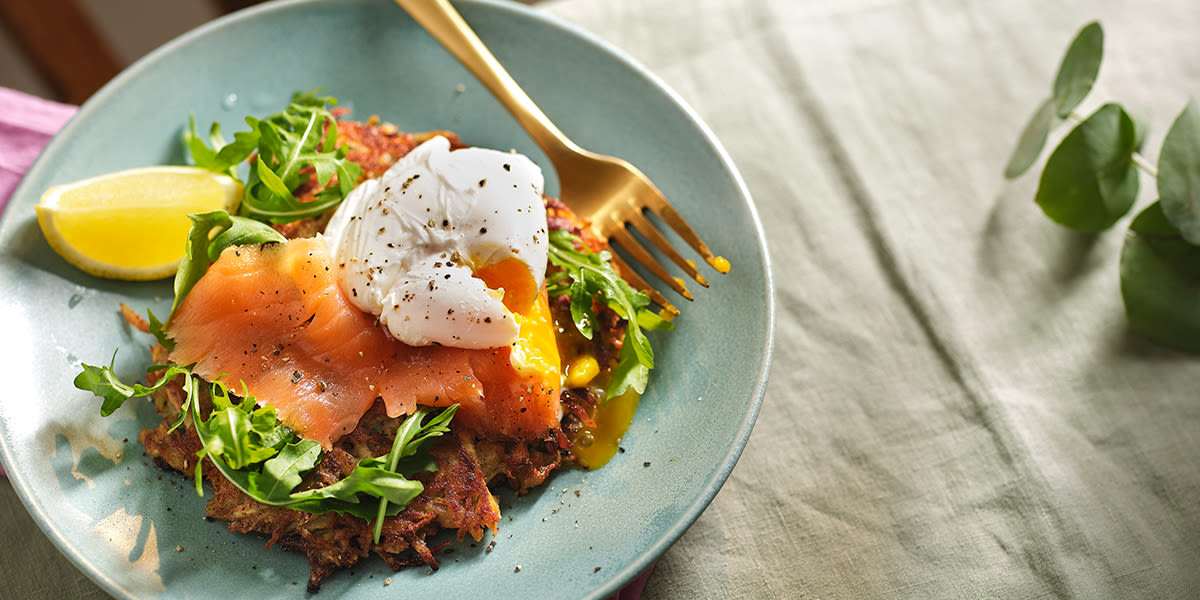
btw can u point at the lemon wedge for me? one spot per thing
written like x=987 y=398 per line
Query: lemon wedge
x=132 y=224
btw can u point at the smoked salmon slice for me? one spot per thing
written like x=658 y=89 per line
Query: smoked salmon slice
x=274 y=319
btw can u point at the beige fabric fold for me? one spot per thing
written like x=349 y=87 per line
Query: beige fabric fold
x=957 y=407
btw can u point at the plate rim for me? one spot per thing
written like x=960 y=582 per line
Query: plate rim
x=712 y=485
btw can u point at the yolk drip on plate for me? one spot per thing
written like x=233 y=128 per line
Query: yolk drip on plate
x=596 y=445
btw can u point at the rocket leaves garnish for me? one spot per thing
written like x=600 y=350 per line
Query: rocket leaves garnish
x=587 y=278
x=411 y=438
x=211 y=233
x=240 y=432
x=289 y=149
x=377 y=487
x=267 y=461
x=1091 y=181
x=103 y=382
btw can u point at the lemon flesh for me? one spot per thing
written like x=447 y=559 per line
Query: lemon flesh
x=132 y=224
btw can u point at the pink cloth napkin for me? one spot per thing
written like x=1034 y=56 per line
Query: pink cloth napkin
x=26 y=124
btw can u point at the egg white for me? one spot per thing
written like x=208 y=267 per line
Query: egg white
x=407 y=245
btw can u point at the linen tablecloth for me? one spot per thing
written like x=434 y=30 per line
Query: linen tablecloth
x=957 y=408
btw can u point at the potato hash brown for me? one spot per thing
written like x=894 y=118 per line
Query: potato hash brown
x=455 y=497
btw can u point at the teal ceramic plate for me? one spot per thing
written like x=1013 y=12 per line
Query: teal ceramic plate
x=138 y=531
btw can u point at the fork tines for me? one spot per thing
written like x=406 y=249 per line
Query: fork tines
x=639 y=222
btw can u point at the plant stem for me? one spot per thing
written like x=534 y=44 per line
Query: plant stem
x=1140 y=162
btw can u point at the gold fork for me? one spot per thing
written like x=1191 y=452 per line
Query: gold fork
x=606 y=190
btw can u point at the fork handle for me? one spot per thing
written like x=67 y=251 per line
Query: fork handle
x=444 y=23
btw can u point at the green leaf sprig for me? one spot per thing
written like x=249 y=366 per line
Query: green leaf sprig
x=1091 y=181
x=287 y=146
x=103 y=382
x=267 y=461
x=211 y=233
x=587 y=278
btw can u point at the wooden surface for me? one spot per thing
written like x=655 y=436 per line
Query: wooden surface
x=63 y=44
x=68 y=50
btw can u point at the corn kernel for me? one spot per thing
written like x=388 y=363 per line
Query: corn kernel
x=720 y=263
x=582 y=371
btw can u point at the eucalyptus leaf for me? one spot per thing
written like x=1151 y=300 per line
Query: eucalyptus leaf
x=1179 y=174
x=1141 y=128
x=1079 y=68
x=1160 y=281
x=1090 y=181
x=1032 y=140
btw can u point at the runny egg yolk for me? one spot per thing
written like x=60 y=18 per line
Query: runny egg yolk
x=521 y=382
x=535 y=353
x=512 y=276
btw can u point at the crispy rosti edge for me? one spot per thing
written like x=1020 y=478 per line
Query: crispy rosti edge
x=456 y=497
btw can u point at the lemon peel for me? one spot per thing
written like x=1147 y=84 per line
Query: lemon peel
x=132 y=224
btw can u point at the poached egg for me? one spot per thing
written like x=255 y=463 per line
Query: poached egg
x=447 y=247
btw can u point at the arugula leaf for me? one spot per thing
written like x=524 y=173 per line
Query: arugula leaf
x=377 y=487
x=158 y=329
x=591 y=278
x=204 y=156
x=242 y=232
x=283 y=472
x=103 y=382
x=267 y=461
x=629 y=373
x=287 y=144
x=242 y=434
x=212 y=232
x=364 y=493
x=411 y=438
